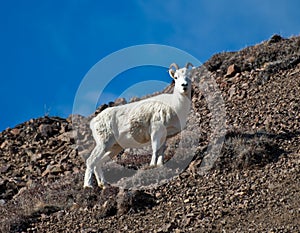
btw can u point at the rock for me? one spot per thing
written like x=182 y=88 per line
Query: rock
x=158 y=195
x=187 y=200
x=120 y=101
x=4 y=144
x=68 y=136
x=15 y=131
x=5 y=168
x=46 y=130
x=275 y=38
x=53 y=169
x=134 y=99
x=2 y=202
x=232 y=70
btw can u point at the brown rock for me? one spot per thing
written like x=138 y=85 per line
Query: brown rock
x=4 y=144
x=45 y=130
x=5 y=168
x=15 y=131
x=232 y=70
x=120 y=101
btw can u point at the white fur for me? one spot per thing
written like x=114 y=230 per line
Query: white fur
x=138 y=124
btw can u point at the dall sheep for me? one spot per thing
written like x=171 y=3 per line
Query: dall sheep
x=141 y=123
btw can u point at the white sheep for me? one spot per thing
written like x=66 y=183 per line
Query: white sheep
x=140 y=123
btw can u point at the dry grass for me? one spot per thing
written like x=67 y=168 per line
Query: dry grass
x=246 y=150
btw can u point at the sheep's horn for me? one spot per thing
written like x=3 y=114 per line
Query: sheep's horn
x=188 y=65
x=174 y=65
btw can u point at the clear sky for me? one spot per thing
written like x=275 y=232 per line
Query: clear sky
x=47 y=47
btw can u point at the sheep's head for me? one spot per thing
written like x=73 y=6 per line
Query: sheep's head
x=182 y=77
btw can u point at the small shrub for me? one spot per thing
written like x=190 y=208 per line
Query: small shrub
x=243 y=150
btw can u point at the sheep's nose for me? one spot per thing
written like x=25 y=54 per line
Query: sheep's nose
x=184 y=84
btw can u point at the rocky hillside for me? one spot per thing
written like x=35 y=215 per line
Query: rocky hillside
x=253 y=186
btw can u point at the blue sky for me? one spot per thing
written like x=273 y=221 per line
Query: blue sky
x=47 y=47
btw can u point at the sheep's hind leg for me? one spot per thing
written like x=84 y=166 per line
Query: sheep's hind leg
x=114 y=150
x=99 y=172
x=91 y=164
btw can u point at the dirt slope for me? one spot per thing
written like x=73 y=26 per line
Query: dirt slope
x=254 y=185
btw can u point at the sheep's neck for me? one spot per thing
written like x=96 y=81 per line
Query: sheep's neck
x=182 y=103
x=182 y=98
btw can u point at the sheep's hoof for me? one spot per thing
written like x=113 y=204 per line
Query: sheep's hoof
x=103 y=185
x=150 y=167
x=88 y=187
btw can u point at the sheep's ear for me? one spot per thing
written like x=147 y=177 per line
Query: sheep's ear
x=172 y=73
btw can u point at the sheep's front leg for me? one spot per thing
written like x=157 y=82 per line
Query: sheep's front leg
x=160 y=153
x=158 y=137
